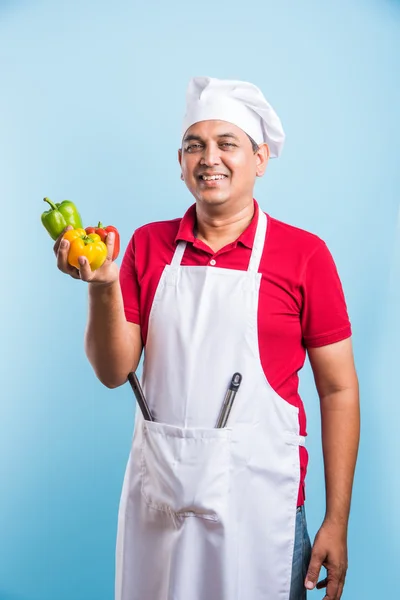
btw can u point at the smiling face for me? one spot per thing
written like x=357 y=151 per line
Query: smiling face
x=219 y=164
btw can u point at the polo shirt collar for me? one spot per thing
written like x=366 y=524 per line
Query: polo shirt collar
x=188 y=221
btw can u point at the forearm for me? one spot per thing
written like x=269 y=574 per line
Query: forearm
x=108 y=343
x=340 y=416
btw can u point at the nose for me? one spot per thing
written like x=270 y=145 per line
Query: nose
x=211 y=155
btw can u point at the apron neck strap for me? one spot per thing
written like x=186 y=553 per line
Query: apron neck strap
x=259 y=240
x=178 y=254
x=258 y=246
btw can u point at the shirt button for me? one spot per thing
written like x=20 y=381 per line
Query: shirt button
x=213 y=262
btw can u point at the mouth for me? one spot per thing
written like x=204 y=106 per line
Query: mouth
x=215 y=177
x=212 y=180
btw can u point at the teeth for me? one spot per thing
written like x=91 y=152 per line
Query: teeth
x=212 y=177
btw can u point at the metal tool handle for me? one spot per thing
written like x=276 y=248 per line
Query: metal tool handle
x=235 y=382
x=141 y=400
x=228 y=400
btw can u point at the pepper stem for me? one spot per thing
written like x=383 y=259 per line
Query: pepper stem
x=53 y=206
x=100 y=225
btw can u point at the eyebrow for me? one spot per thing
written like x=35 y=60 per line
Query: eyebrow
x=191 y=138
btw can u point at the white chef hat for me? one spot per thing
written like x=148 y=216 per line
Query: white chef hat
x=237 y=102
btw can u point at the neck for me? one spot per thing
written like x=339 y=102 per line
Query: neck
x=217 y=227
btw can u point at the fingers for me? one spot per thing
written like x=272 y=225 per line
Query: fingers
x=85 y=271
x=334 y=584
x=335 y=581
x=62 y=260
x=340 y=586
x=313 y=570
x=62 y=256
x=332 y=590
x=110 y=244
x=58 y=240
x=322 y=584
x=61 y=249
x=340 y=592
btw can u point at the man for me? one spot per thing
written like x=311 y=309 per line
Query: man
x=217 y=513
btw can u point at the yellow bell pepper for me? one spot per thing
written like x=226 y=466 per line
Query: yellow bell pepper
x=84 y=244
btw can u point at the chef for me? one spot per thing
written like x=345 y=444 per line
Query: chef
x=217 y=513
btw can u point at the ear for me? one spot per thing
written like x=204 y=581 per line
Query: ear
x=180 y=160
x=262 y=158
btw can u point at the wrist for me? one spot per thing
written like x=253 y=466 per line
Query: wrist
x=102 y=284
x=103 y=288
x=337 y=521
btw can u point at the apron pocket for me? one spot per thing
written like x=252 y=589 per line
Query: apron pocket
x=185 y=472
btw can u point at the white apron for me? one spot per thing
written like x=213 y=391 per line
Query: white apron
x=206 y=513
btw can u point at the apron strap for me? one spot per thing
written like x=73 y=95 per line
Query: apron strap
x=178 y=254
x=295 y=440
x=258 y=246
x=259 y=240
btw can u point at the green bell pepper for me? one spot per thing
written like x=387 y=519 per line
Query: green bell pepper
x=60 y=216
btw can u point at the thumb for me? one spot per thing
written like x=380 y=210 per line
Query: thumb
x=313 y=570
x=84 y=269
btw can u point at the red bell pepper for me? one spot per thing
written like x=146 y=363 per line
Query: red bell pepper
x=103 y=232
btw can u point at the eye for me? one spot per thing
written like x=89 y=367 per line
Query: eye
x=193 y=147
x=228 y=144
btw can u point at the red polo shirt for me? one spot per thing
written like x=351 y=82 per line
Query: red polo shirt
x=301 y=301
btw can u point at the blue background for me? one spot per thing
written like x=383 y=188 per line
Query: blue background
x=92 y=96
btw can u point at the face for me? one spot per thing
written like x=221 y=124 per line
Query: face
x=218 y=163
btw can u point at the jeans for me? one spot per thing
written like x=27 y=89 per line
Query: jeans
x=301 y=557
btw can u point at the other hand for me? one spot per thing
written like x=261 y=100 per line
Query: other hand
x=329 y=551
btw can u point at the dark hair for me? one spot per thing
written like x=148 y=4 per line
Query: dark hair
x=254 y=144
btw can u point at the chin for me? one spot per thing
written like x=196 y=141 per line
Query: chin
x=213 y=199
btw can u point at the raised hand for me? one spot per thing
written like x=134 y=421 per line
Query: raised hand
x=106 y=274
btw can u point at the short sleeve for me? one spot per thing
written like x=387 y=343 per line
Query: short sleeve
x=324 y=317
x=129 y=284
